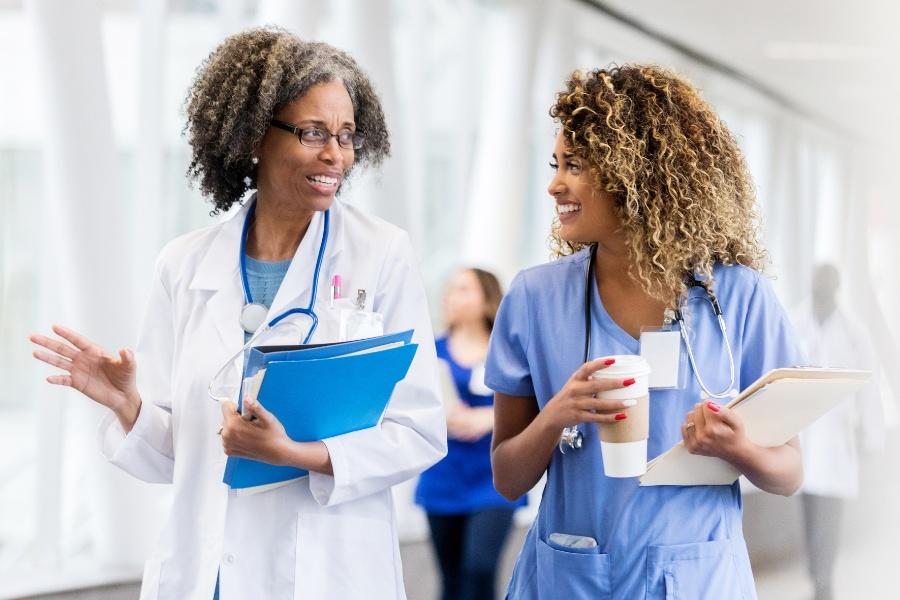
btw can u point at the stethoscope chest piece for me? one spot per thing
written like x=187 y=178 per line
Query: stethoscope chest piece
x=253 y=315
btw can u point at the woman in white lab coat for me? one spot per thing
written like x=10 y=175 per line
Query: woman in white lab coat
x=288 y=119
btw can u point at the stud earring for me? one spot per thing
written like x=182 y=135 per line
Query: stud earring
x=254 y=160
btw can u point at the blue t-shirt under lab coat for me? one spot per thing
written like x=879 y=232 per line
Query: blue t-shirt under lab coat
x=462 y=482
x=653 y=542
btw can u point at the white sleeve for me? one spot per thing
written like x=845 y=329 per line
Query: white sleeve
x=413 y=433
x=147 y=451
x=868 y=399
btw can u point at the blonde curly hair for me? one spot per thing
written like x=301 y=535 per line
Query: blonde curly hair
x=681 y=187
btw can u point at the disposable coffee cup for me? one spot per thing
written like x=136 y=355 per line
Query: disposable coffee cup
x=623 y=444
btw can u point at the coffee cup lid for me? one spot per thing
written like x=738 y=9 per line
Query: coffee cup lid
x=626 y=365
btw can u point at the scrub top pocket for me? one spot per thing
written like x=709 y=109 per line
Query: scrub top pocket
x=698 y=571
x=572 y=573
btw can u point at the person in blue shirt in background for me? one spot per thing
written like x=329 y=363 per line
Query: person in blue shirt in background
x=469 y=520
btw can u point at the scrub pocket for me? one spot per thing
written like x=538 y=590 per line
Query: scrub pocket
x=572 y=573
x=699 y=571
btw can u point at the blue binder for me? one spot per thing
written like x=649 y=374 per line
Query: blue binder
x=322 y=390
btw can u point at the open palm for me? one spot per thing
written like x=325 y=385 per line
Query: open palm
x=99 y=376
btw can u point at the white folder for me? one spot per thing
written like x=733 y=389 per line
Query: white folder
x=775 y=408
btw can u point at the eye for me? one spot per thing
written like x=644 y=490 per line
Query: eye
x=554 y=165
x=312 y=134
x=574 y=167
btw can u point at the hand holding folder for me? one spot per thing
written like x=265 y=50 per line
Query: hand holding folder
x=319 y=391
x=775 y=408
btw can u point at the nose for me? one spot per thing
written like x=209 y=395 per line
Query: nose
x=556 y=187
x=331 y=152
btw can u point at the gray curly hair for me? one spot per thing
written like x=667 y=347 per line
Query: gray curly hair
x=240 y=87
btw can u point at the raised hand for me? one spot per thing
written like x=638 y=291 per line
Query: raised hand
x=103 y=378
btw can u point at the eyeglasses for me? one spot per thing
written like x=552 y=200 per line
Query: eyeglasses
x=316 y=137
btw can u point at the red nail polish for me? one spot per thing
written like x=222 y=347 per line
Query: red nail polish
x=609 y=361
x=713 y=406
x=621 y=417
x=629 y=381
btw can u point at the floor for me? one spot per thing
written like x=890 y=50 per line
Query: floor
x=866 y=569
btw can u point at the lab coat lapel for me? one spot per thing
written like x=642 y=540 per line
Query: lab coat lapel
x=219 y=272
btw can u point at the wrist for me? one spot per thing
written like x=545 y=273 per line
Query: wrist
x=127 y=411
x=742 y=453
x=547 y=425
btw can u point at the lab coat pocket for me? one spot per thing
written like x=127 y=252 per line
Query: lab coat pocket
x=698 y=571
x=572 y=573
x=345 y=556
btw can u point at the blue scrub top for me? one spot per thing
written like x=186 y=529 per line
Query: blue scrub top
x=653 y=542
x=462 y=482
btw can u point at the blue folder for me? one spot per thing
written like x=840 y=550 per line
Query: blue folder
x=318 y=391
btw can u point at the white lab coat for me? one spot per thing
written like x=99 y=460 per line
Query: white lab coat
x=830 y=446
x=321 y=537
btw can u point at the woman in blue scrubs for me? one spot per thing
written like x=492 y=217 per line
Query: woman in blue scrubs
x=646 y=175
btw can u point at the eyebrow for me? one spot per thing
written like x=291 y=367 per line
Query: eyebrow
x=345 y=125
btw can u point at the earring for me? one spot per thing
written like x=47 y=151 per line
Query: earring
x=254 y=160
x=247 y=181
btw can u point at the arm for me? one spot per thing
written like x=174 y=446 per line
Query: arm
x=718 y=431
x=137 y=434
x=526 y=437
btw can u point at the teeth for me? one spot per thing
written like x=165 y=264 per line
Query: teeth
x=323 y=179
x=567 y=208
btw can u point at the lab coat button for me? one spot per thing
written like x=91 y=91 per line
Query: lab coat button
x=228 y=558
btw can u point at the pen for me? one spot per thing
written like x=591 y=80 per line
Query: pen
x=335 y=289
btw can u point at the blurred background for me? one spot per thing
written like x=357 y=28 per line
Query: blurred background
x=92 y=184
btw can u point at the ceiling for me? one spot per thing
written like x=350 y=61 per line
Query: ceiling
x=835 y=60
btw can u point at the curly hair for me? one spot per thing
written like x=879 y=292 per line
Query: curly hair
x=679 y=182
x=239 y=88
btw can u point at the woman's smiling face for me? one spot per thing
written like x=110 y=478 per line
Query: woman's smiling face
x=311 y=176
x=586 y=214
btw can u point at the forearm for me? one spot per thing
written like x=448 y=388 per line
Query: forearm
x=311 y=456
x=520 y=461
x=777 y=470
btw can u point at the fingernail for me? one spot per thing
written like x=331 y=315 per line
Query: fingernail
x=609 y=361
x=621 y=417
x=629 y=402
x=629 y=381
x=713 y=406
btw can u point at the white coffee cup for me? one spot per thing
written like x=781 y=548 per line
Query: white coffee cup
x=623 y=444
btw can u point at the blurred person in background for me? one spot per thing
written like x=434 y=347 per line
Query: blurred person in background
x=468 y=519
x=831 y=446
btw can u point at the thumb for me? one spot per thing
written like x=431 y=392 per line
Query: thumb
x=228 y=408
x=255 y=409
x=724 y=414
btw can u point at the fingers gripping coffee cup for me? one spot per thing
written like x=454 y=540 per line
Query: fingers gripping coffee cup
x=623 y=443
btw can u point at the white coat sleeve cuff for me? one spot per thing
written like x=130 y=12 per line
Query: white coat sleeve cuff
x=326 y=488
x=151 y=431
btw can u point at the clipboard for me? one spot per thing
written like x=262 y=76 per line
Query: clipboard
x=775 y=408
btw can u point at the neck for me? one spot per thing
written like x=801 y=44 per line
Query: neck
x=823 y=309
x=277 y=230
x=470 y=331
x=611 y=265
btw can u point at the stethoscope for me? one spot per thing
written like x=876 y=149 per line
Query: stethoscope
x=253 y=314
x=571 y=436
